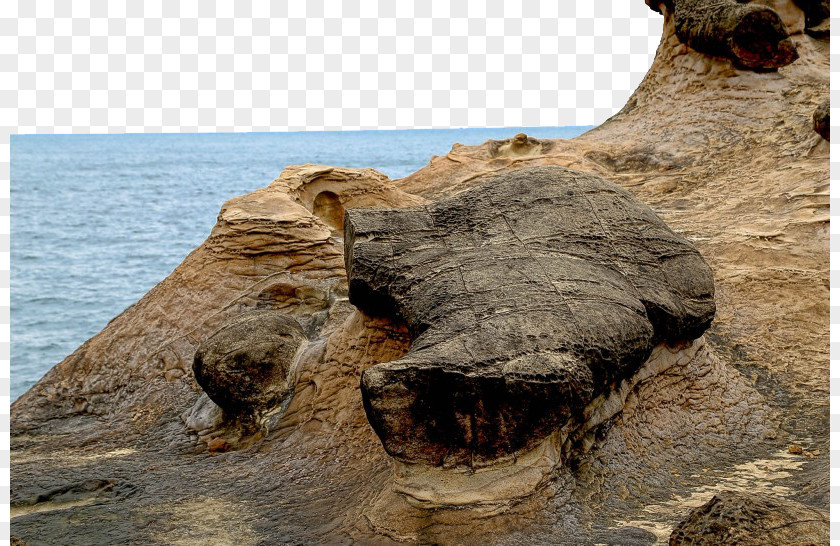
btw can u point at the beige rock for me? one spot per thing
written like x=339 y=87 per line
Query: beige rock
x=267 y=250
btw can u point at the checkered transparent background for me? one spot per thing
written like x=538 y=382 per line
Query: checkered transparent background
x=109 y=66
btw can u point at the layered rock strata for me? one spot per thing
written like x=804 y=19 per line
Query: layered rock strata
x=268 y=250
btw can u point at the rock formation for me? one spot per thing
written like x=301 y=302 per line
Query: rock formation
x=520 y=145
x=245 y=367
x=739 y=518
x=527 y=298
x=247 y=370
x=724 y=154
x=822 y=120
x=751 y=35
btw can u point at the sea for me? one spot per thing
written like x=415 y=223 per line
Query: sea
x=99 y=220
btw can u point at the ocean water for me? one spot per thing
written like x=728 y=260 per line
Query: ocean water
x=98 y=220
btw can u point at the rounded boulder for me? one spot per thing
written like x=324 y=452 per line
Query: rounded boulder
x=244 y=367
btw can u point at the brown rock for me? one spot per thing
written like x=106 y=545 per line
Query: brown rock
x=527 y=298
x=752 y=520
x=822 y=120
x=217 y=445
x=520 y=145
x=722 y=155
x=751 y=35
x=245 y=366
x=265 y=247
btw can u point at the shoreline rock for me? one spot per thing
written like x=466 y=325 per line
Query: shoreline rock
x=523 y=305
x=727 y=157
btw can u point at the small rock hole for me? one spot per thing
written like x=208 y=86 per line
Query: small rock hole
x=327 y=206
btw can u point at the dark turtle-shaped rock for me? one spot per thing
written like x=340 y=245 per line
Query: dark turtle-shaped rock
x=526 y=298
x=244 y=366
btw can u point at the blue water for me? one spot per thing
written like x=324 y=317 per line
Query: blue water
x=98 y=220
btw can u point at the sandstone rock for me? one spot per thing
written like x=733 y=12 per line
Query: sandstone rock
x=246 y=366
x=751 y=520
x=520 y=145
x=527 y=298
x=822 y=120
x=217 y=445
x=268 y=250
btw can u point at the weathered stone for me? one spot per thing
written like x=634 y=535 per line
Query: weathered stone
x=245 y=366
x=822 y=120
x=526 y=298
x=752 y=36
x=520 y=145
x=752 y=520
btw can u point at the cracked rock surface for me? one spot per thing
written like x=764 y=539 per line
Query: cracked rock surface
x=527 y=297
x=739 y=518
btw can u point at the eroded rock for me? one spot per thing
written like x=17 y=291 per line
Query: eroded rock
x=822 y=120
x=751 y=35
x=526 y=298
x=752 y=520
x=328 y=191
x=715 y=142
x=520 y=145
x=245 y=367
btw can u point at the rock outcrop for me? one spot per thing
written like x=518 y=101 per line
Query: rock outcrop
x=247 y=370
x=268 y=250
x=751 y=35
x=521 y=145
x=527 y=298
x=247 y=365
x=725 y=155
x=822 y=120
x=740 y=518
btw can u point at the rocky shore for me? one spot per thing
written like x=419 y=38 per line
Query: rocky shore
x=613 y=339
